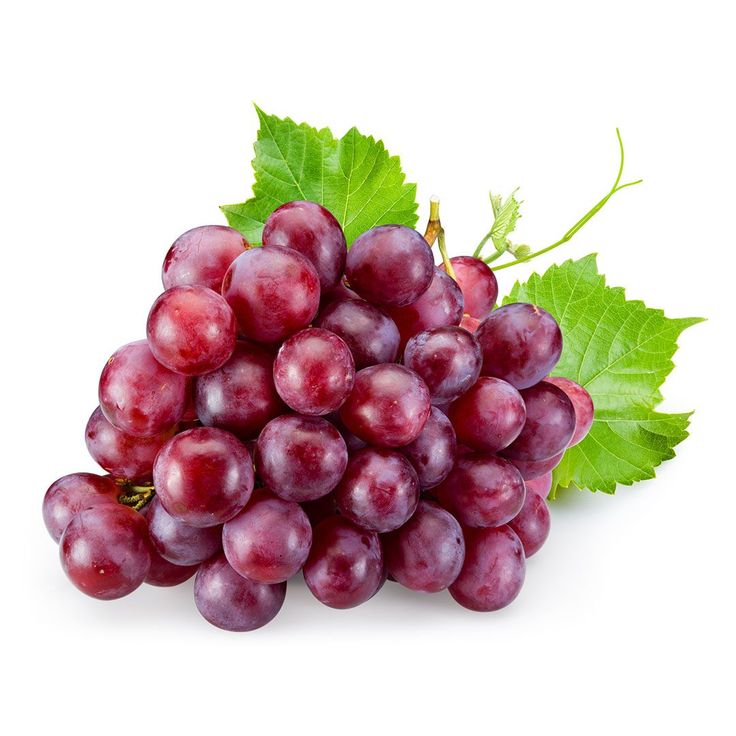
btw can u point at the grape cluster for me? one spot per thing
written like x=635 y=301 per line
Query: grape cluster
x=358 y=415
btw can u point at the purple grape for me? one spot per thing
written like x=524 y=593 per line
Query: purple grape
x=230 y=601
x=370 y=334
x=273 y=291
x=493 y=571
x=388 y=406
x=471 y=324
x=541 y=485
x=191 y=330
x=179 y=543
x=73 y=493
x=427 y=553
x=532 y=523
x=448 y=359
x=269 y=540
x=379 y=491
x=314 y=371
x=482 y=491
x=241 y=396
x=105 y=551
x=489 y=416
x=345 y=564
x=549 y=426
x=203 y=476
x=138 y=395
x=340 y=292
x=310 y=229
x=531 y=469
x=477 y=283
x=122 y=455
x=200 y=257
x=432 y=453
x=521 y=344
x=439 y=306
x=165 y=574
x=582 y=403
x=300 y=458
x=390 y=265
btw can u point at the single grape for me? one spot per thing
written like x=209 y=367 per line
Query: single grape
x=370 y=334
x=201 y=256
x=493 y=571
x=269 y=540
x=532 y=523
x=471 y=324
x=179 y=543
x=432 y=453
x=549 y=426
x=541 y=485
x=379 y=491
x=531 y=469
x=300 y=458
x=581 y=403
x=73 y=493
x=345 y=564
x=388 y=406
x=191 y=330
x=427 y=553
x=230 y=601
x=310 y=229
x=448 y=359
x=390 y=265
x=138 y=395
x=105 y=551
x=440 y=305
x=482 y=491
x=273 y=291
x=203 y=476
x=477 y=283
x=165 y=574
x=314 y=371
x=489 y=416
x=521 y=344
x=120 y=454
x=241 y=396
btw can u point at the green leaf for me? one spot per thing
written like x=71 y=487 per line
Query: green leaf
x=354 y=177
x=621 y=352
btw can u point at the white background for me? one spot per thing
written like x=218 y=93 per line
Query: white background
x=125 y=124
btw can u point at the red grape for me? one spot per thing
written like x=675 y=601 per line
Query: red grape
x=477 y=283
x=310 y=229
x=165 y=574
x=432 y=453
x=532 y=523
x=470 y=324
x=531 y=469
x=541 y=485
x=581 y=403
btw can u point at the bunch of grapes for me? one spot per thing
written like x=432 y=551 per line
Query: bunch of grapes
x=356 y=415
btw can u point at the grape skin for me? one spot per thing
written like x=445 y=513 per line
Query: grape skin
x=493 y=571
x=541 y=485
x=549 y=426
x=69 y=495
x=105 y=551
x=582 y=403
x=379 y=490
x=388 y=406
x=138 y=395
x=432 y=453
x=273 y=291
x=241 y=396
x=203 y=476
x=532 y=523
x=471 y=324
x=300 y=458
x=230 y=601
x=345 y=565
x=478 y=285
x=314 y=371
x=191 y=330
x=165 y=574
x=448 y=359
x=371 y=335
x=521 y=344
x=427 y=553
x=122 y=455
x=489 y=416
x=531 y=469
x=312 y=230
x=269 y=540
x=201 y=256
x=390 y=265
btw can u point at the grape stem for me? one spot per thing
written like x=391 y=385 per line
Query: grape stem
x=435 y=232
x=136 y=496
x=617 y=187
